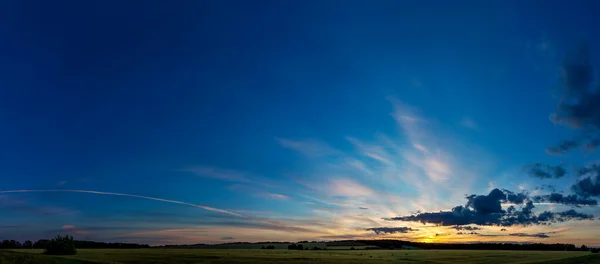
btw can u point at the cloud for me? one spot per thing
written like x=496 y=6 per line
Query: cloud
x=363 y=208
x=68 y=227
x=515 y=198
x=348 y=188
x=503 y=230
x=562 y=147
x=578 y=106
x=219 y=174
x=20 y=206
x=227 y=238
x=61 y=183
x=467 y=228
x=486 y=210
x=391 y=230
x=538 y=235
x=469 y=123
x=466 y=233
x=310 y=148
x=459 y=215
x=486 y=204
x=544 y=171
x=588 y=183
x=131 y=195
x=276 y=196
x=558 y=198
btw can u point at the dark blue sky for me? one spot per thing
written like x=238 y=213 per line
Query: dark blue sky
x=291 y=114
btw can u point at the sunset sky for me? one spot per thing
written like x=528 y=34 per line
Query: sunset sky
x=172 y=122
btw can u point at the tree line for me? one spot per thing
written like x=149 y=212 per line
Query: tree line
x=398 y=244
x=43 y=243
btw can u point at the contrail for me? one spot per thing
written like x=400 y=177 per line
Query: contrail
x=132 y=195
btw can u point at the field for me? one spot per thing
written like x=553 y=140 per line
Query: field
x=181 y=256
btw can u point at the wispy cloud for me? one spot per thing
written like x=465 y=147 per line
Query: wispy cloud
x=310 y=147
x=469 y=123
x=347 y=187
x=129 y=195
x=275 y=196
x=220 y=174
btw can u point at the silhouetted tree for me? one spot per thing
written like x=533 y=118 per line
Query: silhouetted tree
x=10 y=244
x=584 y=248
x=263 y=247
x=299 y=247
x=595 y=250
x=27 y=244
x=61 y=245
x=292 y=246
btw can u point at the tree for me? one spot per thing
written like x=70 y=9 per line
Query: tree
x=61 y=245
x=584 y=248
x=27 y=244
x=299 y=247
x=292 y=246
x=263 y=247
x=10 y=244
x=595 y=250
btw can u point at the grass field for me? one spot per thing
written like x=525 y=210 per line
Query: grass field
x=177 y=256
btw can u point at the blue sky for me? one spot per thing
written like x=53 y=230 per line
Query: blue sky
x=195 y=122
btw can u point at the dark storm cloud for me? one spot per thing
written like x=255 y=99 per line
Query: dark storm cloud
x=588 y=183
x=391 y=230
x=572 y=200
x=467 y=228
x=486 y=204
x=515 y=198
x=593 y=143
x=545 y=187
x=459 y=215
x=562 y=147
x=544 y=171
x=578 y=106
x=486 y=210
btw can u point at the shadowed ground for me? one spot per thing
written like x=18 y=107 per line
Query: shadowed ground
x=186 y=256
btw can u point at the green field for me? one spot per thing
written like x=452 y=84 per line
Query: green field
x=175 y=256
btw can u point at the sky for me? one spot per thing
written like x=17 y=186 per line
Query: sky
x=221 y=121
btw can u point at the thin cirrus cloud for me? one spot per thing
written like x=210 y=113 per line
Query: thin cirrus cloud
x=469 y=123
x=219 y=174
x=347 y=187
x=310 y=148
x=129 y=195
x=387 y=175
x=275 y=196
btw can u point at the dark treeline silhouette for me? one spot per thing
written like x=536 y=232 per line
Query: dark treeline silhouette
x=398 y=244
x=368 y=245
x=42 y=244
